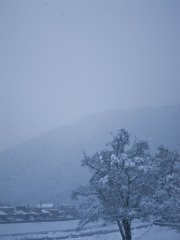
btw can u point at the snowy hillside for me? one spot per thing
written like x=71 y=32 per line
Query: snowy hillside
x=47 y=168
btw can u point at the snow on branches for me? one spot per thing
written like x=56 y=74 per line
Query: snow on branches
x=127 y=182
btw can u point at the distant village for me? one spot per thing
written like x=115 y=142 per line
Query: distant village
x=37 y=213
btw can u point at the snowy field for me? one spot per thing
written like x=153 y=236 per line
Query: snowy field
x=68 y=230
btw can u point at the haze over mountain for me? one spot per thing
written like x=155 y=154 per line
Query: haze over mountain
x=48 y=168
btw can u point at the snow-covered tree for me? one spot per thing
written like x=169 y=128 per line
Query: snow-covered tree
x=166 y=198
x=125 y=182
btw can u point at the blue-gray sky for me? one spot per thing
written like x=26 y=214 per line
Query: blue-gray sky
x=61 y=60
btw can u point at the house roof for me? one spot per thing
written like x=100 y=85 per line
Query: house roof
x=21 y=212
x=44 y=211
x=47 y=205
x=3 y=213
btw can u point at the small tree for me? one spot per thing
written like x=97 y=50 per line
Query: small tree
x=122 y=184
x=166 y=198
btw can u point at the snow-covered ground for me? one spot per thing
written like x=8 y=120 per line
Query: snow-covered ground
x=33 y=227
x=68 y=230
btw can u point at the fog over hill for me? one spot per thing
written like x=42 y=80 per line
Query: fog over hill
x=48 y=168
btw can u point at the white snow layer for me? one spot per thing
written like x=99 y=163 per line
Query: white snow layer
x=68 y=230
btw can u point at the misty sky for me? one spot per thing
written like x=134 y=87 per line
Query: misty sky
x=61 y=60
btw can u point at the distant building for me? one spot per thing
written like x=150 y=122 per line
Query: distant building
x=24 y=208
x=6 y=213
x=47 y=205
x=54 y=213
x=69 y=211
x=35 y=209
x=3 y=216
x=22 y=216
x=8 y=210
x=39 y=212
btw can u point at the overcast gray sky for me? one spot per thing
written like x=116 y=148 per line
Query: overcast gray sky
x=61 y=60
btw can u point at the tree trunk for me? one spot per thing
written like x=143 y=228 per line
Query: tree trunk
x=125 y=229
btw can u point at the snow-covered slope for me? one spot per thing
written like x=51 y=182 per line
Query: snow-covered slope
x=47 y=168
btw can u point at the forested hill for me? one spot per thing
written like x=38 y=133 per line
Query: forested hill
x=48 y=167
